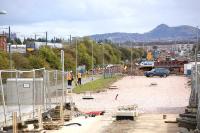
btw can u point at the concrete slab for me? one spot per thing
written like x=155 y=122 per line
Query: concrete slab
x=145 y=123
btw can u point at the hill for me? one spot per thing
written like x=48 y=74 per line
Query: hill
x=161 y=33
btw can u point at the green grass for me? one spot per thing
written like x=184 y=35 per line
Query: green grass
x=96 y=85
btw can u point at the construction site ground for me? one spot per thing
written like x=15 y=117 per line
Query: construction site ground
x=154 y=96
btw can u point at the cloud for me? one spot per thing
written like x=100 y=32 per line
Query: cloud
x=84 y=17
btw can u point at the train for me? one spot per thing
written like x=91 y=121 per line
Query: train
x=32 y=46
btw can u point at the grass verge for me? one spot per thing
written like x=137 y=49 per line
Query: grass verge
x=96 y=85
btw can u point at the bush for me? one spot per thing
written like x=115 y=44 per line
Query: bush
x=4 y=62
x=21 y=61
x=49 y=56
x=38 y=62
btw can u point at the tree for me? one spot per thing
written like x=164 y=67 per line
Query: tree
x=38 y=62
x=84 y=57
x=49 y=56
x=4 y=60
x=20 y=61
x=18 y=41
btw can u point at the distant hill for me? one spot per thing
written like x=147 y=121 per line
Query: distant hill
x=161 y=33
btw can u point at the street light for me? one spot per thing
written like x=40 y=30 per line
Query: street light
x=196 y=67
x=92 y=61
x=131 y=58
x=76 y=49
x=3 y=12
x=101 y=43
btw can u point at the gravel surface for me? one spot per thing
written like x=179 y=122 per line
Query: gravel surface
x=153 y=95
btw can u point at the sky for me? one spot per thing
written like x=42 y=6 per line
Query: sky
x=86 y=17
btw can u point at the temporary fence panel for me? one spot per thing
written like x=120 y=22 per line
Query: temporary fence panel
x=23 y=92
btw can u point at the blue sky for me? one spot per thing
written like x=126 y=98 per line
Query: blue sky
x=86 y=17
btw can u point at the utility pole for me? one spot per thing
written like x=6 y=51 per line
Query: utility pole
x=9 y=34
x=103 y=63
x=196 y=81
x=92 y=61
x=131 y=58
x=46 y=38
x=70 y=39
x=119 y=56
x=63 y=75
x=196 y=69
x=9 y=41
x=76 y=59
x=35 y=37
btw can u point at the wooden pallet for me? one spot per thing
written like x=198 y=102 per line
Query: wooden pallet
x=40 y=130
x=52 y=125
x=66 y=118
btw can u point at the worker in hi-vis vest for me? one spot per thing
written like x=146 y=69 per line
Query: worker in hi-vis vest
x=79 y=75
x=69 y=78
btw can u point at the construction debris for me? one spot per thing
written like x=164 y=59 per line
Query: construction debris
x=113 y=87
x=87 y=95
x=189 y=119
x=153 y=84
x=127 y=112
x=52 y=125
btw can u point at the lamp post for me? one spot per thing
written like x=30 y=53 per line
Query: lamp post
x=101 y=43
x=92 y=60
x=3 y=12
x=103 y=63
x=131 y=58
x=76 y=59
x=76 y=51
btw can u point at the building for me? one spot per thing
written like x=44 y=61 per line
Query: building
x=3 y=42
x=169 y=47
x=185 y=47
x=16 y=49
x=31 y=46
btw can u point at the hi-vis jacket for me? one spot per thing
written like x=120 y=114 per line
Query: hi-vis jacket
x=69 y=76
x=79 y=75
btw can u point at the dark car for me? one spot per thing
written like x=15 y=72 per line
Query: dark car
x=162 y=72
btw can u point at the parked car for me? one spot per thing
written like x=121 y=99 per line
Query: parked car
x=162 y=72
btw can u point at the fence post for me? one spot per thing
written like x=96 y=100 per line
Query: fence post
x=14 y=122
x=61 y=113
x=33 y=93
x=56 y=83
x=18 y=96
x=44 y=90
x=3 y=99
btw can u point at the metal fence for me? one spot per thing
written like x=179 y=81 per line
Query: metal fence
x=26 y=91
